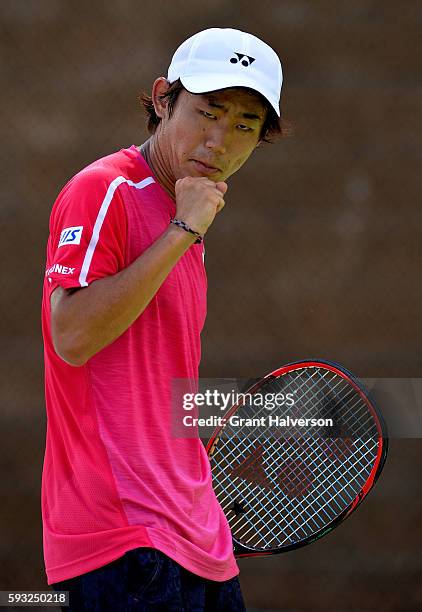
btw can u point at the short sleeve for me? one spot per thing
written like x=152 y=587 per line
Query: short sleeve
x=88 y=228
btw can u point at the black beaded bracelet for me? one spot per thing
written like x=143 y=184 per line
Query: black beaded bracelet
x=186 y=227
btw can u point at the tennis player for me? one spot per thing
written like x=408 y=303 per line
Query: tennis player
x=130 y=518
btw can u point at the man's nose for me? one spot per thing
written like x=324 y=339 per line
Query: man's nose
x=216 y=139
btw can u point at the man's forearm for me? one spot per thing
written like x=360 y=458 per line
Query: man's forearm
x=87 y=320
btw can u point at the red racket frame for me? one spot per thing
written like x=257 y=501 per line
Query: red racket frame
x=243 y=551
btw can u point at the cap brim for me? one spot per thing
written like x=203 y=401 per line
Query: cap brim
x=213 y=82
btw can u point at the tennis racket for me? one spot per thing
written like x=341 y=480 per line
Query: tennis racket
x=281 y=484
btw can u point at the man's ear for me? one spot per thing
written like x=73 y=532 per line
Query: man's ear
x=159 y=88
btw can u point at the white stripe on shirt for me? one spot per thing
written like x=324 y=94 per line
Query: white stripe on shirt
x=100 y=219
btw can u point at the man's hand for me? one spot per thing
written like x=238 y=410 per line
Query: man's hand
x=198 y=200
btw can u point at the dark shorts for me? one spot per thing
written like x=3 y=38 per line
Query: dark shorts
x=146 y=579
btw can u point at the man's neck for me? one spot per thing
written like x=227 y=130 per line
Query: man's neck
x=152 y=154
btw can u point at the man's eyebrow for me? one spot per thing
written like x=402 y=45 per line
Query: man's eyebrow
x=212 y=102
x=251 y=116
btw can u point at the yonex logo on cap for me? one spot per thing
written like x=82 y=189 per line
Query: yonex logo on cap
x=71 y=235
x=245 y=60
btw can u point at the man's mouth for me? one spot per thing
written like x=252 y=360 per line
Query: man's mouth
x=204 y=167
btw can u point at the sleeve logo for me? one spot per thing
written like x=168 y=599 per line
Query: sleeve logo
x=71 y=235
x=59 y=269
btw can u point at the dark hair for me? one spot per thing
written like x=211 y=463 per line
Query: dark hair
x=274 y=127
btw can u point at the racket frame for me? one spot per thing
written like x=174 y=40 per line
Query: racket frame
x=240 y=550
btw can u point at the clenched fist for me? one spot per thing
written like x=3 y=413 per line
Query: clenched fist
x=198 y=200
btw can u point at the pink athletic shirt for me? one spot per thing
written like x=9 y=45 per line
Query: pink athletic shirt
x=114 y=478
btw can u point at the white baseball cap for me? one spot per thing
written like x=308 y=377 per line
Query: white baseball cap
x=222 y=57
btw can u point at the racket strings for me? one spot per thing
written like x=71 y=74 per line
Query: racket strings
x=319 y=387
x=332 y=490
x=314 y=394
x=356 y=409
x=316 y=494
x=292 y=513
x=290 y=451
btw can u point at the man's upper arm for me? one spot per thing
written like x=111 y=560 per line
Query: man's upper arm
x=87 y=232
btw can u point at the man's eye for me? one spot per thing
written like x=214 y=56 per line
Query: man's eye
x=244 y=127
x=207 y=114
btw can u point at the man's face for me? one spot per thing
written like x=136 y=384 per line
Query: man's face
x=212 y=134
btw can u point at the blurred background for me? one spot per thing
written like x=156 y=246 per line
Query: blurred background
x=317 y=252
